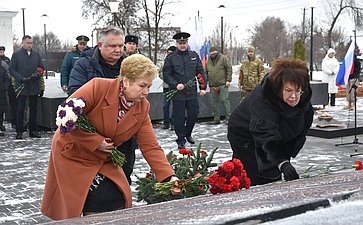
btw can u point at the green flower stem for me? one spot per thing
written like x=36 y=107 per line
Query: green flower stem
x=117 y=157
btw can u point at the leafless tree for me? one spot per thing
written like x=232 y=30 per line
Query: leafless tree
x=53 y=43
x=100 y=11
x=335 y=9
x=154 y=14
x=271 y=39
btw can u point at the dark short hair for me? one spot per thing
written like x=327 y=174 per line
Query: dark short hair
x=26 y=37
x=294 y=71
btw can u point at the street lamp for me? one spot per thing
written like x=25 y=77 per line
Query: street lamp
x=22 y=9
x=230 y=34
x=222 y=9
x=230 y=37
x=312 y=5
x=114 y=10
x=45 y=18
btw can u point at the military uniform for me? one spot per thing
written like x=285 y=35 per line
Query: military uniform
x=69 y=60
x=183 y=67
x=251 y=74
x=133 y=39
x=219 y=72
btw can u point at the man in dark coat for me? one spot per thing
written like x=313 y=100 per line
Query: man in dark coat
x=70 y=59
x=23 y=67
x=269 y=126
x=104 y=60
x=5 y=61
x=181 y=70
x=4 y=84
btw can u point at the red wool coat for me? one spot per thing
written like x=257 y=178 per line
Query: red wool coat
x=74 y=160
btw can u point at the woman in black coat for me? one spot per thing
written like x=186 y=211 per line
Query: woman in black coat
x=269 y=127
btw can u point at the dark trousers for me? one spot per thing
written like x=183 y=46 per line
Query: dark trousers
x=332 y=99
x=128 y=148
x=166 y=107
x=184 y=127
x=20 y=108
x=12 y=102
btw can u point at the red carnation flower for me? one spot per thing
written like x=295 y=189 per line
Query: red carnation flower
x=358 y=165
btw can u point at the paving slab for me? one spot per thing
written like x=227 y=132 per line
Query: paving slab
x=23 y=163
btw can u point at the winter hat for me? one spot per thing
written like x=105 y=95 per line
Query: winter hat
x=213 y=49
x=171 y=48
x=251 y=48
x=331 y=51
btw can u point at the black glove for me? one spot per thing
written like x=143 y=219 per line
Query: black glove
x=26 y=79
x=289 y=171
x=41 y=93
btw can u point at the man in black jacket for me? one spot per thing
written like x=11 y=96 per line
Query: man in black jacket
x=23 y=67
x=181 y=68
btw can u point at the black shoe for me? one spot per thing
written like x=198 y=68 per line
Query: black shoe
x=165 y=126
x=34 y=135
x=215 y=122
x=190 y=140
x=19 y=136
x=180 y=146
x=2 y=134
x=172 y=127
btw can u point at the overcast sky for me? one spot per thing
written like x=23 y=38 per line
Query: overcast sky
x=65 y=16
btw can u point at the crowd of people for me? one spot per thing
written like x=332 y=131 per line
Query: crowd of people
x=113 y=78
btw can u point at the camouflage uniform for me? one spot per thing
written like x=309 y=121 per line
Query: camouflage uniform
x=251 y=74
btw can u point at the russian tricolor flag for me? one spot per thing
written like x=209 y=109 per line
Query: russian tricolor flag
x=346 y=68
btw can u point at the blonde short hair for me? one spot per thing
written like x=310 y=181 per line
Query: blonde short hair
x=136 y=66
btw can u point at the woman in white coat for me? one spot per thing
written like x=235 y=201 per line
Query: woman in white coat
x=330 y=67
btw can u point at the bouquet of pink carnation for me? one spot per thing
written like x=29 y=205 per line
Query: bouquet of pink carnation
x=230 y=176
x=70 y=116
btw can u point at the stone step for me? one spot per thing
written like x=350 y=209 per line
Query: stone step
x=258 y=204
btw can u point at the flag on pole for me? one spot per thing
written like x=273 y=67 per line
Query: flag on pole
x=346 y=68
x=203 y=52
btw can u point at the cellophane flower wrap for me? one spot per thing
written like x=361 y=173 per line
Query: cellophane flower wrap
x=191 y=168
x=70 y=116
x=229 y=177
x=315 y=170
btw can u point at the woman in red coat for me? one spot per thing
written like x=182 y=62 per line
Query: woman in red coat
x=81 y=177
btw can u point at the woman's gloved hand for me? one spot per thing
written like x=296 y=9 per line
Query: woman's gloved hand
x=289 y=171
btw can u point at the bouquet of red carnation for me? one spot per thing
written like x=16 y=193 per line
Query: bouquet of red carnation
x=191 y=168
x=230 y=176
x=35 y=76
x=201 y=81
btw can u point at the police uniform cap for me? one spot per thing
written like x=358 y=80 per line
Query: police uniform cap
x=2 y=48
x=131 y=38
x=181 y=37
x=82 y=38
